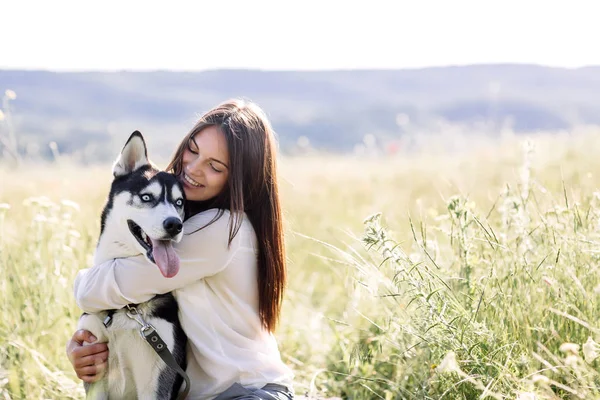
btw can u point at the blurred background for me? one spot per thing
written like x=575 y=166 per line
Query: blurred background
x=367 y=78
x=439 y=180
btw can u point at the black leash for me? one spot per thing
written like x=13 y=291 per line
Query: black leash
x=153 y=338
x=150 y=335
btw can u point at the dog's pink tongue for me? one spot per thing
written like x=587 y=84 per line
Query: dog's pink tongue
x=165 y=257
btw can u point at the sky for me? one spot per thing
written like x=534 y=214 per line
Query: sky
x=66 y=35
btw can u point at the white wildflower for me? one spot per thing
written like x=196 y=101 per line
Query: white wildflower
x=449 y=364
x=4 y=206
x=10 y=94
x=415 y=258
x=540 y=379
x=571 y=360
x=569 y=348
x=41 y=201
x=526 y=396
x=70 y=204
x=3 y=377
x=40 y=218
x=591 y=350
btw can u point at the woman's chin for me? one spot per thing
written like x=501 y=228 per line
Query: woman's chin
x=195 y=195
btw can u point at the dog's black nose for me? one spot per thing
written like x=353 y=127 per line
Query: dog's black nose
x=173 y=225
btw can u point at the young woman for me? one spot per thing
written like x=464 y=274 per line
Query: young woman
x=232 y=271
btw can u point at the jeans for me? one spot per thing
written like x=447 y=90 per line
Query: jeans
x=270 y=391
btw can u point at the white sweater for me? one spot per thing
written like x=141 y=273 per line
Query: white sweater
x=216 y=289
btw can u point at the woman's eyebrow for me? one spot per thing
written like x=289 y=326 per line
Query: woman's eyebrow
x=220 y=162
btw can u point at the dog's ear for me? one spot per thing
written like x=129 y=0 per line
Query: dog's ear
x=133 y=156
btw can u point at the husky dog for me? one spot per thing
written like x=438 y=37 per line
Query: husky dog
x=143 y=215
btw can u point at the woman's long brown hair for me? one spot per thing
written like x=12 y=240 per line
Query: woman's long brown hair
x=252 y=188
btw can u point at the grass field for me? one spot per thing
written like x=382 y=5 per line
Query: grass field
x=467 y=275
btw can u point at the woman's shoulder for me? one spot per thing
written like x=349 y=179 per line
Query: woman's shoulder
x=213 y=215
x=205 y=217
x=219 y=220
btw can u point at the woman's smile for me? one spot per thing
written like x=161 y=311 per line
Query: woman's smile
x=189 y=180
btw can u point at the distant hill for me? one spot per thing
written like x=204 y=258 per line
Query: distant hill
x=93 y=112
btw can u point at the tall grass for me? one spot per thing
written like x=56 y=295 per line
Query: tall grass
x=458 y=276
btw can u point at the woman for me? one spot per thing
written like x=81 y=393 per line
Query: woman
x=232 y=273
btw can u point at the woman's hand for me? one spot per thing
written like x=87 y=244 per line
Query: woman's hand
x=89 y=361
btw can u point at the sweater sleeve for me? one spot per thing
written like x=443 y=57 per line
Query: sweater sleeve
x=118 y=282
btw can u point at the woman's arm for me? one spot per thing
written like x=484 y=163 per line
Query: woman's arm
x=116 y=283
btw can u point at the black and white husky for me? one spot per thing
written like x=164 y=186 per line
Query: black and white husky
x=143 y=215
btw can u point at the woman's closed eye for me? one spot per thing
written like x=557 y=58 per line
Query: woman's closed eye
x=191 y=146
x=216 y=169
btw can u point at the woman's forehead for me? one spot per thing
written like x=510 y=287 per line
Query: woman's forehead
x=211 y=140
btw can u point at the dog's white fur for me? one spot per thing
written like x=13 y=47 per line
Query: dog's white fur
x=116 y=240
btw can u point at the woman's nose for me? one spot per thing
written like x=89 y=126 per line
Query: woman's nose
x=194 y=166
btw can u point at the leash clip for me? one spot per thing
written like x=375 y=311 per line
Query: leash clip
x=146 y=328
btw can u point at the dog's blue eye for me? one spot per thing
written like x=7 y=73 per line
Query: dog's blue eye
x=146 y=197
x=179 y=203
